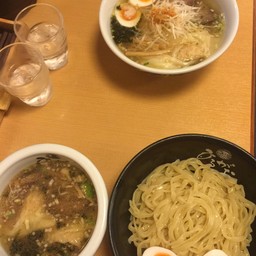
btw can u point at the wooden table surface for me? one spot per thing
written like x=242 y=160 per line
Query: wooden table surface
x=110 y=111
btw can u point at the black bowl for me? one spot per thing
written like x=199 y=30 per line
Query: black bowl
x=223 y=154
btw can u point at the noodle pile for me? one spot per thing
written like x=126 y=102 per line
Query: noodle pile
x=190 y=208
x=175 y=33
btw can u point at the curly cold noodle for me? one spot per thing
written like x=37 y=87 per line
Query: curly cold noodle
x=190 y=208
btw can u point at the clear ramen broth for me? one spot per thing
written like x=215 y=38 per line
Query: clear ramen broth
x=48 y=209
x=167 y=34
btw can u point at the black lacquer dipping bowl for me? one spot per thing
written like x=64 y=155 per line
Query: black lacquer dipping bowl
x=221 y=153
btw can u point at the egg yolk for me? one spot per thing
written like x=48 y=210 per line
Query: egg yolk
x=161 y=254
x=128 y=12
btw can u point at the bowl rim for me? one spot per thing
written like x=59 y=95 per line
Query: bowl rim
x=109 y=41
x=150 y=146
x=172 y=137
x=99 y=184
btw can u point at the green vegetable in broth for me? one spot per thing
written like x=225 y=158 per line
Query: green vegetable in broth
x=168 y=34
x=49 y=208
x=120 y=33
x=88 y=190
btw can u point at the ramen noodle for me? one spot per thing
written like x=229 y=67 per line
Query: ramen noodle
x=167 y=34
x=190 y=208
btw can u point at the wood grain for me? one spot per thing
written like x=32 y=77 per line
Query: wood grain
x=110 y=111
x=253 y=143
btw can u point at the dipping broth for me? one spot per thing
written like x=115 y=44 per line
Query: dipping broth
x=167 y=34
x=48 y=209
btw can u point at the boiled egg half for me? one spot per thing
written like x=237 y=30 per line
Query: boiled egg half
x=216 y=253
x=160 y=251
x=127 y=15
x=141 y=3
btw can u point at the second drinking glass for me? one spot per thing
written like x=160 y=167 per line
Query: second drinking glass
x=43 y=26
x=24 y=74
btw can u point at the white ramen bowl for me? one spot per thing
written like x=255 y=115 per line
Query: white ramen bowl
x=228 y=7
x=25 y=157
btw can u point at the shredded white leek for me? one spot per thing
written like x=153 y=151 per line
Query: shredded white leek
x=176 y=29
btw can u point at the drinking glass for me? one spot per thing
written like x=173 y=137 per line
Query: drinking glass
x=43 y=25
x=24 y=74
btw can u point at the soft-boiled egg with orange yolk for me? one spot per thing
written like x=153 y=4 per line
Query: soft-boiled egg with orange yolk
x=127 y=15
x=141 y=3
x=160 y=251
